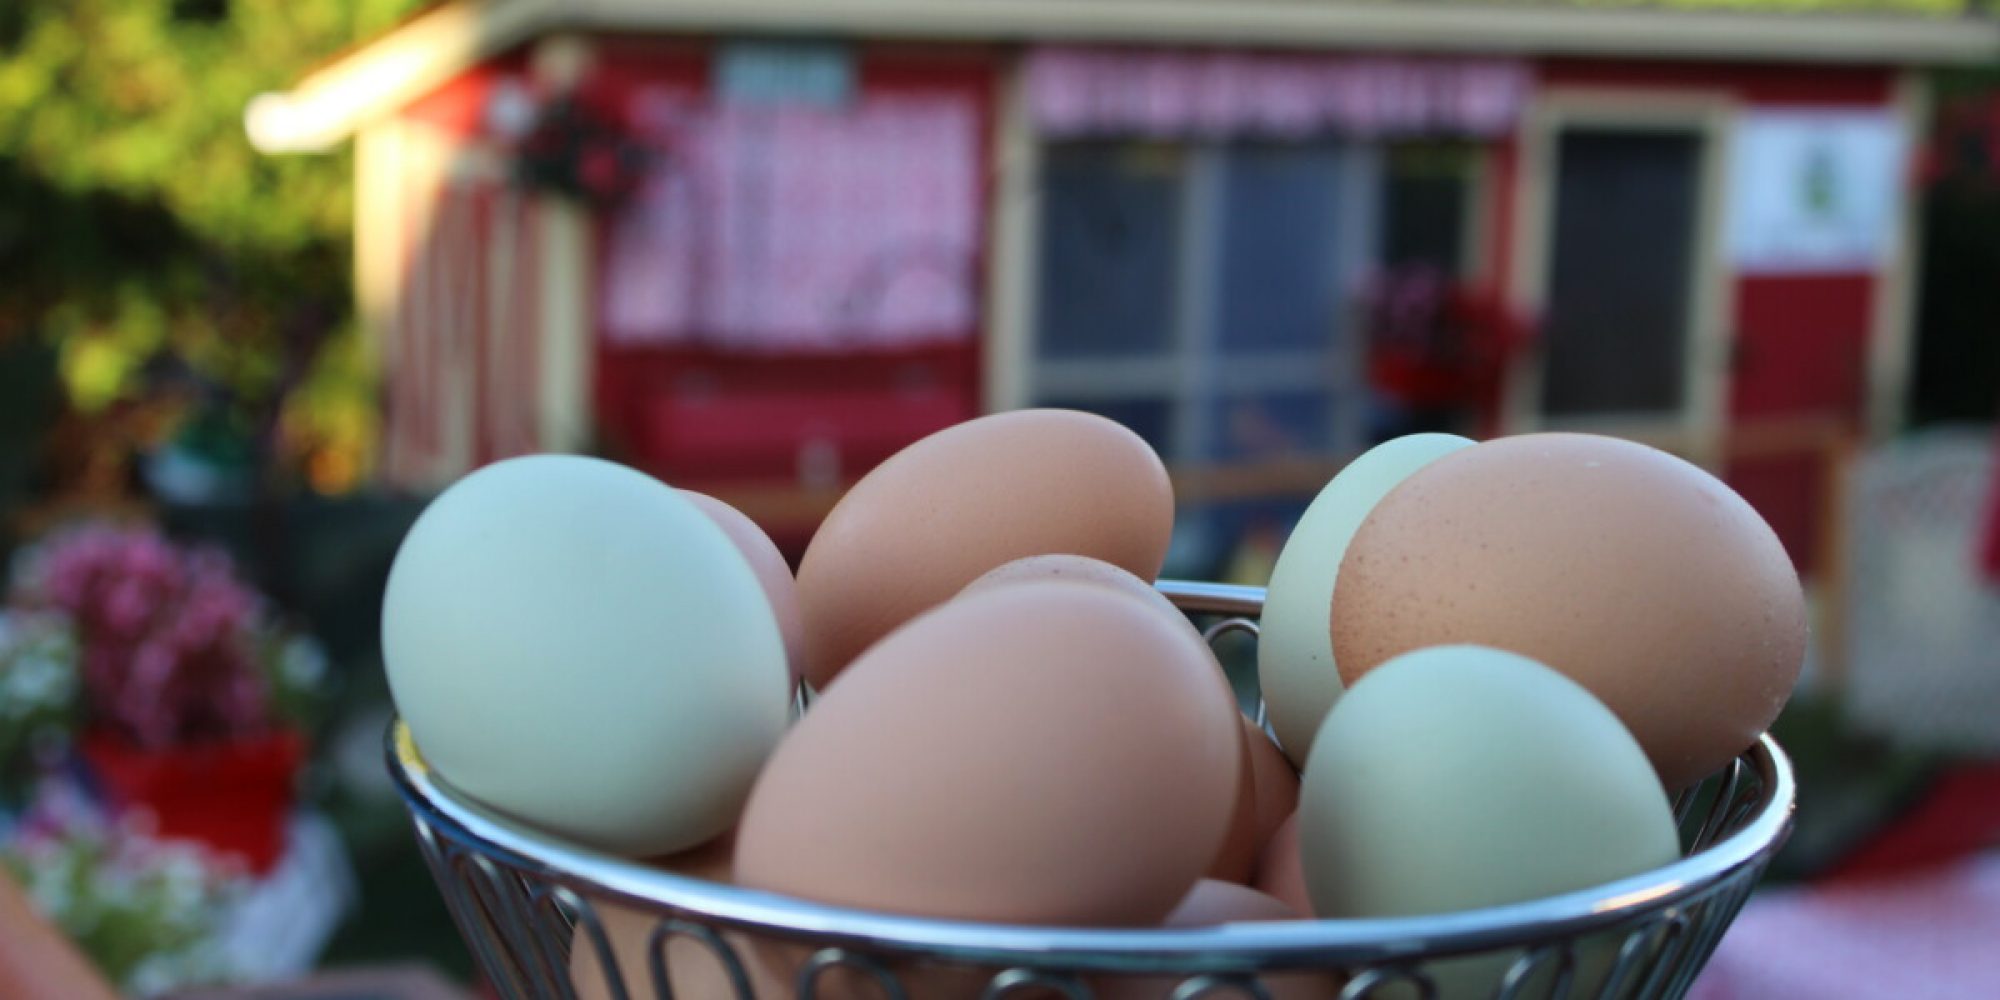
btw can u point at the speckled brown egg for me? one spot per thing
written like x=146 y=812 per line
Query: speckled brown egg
x=1640 y=576
x=943 y=511
x=1046 y=753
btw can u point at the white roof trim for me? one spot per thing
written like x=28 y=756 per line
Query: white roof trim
x=329 y=105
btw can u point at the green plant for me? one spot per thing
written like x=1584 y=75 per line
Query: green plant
x=136 y=221
x=143 y=911
x=39 y=689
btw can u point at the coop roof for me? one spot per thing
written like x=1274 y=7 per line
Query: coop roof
x=328 y=105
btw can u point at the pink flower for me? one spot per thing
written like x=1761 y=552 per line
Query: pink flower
x=169 y=636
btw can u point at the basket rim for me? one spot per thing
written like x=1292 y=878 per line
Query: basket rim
x=434 y=804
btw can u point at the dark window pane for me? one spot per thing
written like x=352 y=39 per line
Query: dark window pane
x=1110 y=221
x=1423 y=206
x=1279 y=288
x=1268 y=425
x=1616 y=322
x=1151 y=419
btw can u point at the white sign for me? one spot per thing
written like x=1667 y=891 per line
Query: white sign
x=1814 y=190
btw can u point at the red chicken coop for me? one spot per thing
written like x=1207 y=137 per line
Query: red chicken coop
x=757 y=246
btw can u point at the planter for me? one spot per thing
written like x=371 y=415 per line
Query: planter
x=234 y=798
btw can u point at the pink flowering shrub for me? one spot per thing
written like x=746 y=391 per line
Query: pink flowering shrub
x=171 y=642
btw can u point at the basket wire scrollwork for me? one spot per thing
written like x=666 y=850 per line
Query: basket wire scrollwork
x=545 y=919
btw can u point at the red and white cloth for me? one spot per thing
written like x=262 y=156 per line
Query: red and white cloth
x=1929 y=935
x=787 y=228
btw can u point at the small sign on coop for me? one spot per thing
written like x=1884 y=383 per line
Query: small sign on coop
x=785 y=74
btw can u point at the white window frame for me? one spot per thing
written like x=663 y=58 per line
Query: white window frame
x=1696 y=429
x=1190 y=374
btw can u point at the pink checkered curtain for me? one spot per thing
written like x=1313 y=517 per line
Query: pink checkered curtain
x=461 y=354
x=771 y=229
x=1083 y=91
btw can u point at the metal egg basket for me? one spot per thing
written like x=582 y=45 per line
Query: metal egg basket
x=524 y=901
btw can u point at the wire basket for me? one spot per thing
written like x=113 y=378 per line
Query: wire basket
x=544 y=918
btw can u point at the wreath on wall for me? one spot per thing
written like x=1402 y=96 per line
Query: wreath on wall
x=574 y=149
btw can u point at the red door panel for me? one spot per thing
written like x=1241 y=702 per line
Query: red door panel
x=1801 y=352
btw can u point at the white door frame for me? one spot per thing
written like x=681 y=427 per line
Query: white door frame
x=1696 y=431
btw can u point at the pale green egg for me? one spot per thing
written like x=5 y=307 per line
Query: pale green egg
x=1458 y=777
x=1294 y=648
x=575 y=644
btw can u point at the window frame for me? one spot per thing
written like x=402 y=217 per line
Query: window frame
x=1192 y=374
x=1694 y=430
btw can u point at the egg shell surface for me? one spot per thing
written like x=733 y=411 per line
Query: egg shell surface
x=948 y=508
x=1295 y=653
x=1458 y=777
x=1045 y=753
x=575 y=644
x=773 y=572
x=1641 y=576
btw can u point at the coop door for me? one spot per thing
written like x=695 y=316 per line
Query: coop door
x=1620 y=294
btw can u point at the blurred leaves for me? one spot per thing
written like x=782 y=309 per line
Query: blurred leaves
x=136 y=219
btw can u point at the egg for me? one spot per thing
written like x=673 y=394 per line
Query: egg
x=1082 y=569
x=1043 y=753
x=941 y=512
x=1280 y=874
x=1295 y=655
x=774 y=574
x=1458 y=777
x=1275 y=783
x=575 y=644
x=1237 y=857
x=1213 y=903
x=694 y=969
x=1639 y=575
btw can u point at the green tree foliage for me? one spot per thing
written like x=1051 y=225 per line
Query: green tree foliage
x=137 y=222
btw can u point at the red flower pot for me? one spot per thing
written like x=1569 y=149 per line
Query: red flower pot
x=232 y=797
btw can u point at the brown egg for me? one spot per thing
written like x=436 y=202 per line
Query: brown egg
x=694 y=970
x=1638 y=575
x=1236 y=860
x=1238 y=855
x=1279 y=871
x=773 y=573
x=1276 y=783
x=1211 y=903
x=1081 y=569
x=1049 y=753
x=938 y=514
